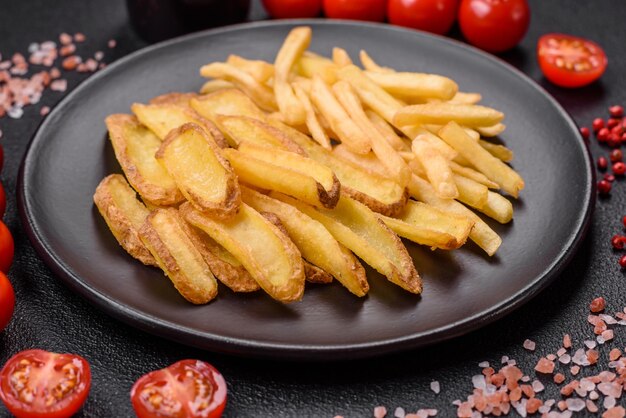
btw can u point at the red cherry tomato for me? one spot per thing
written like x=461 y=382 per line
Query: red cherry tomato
x=436 y=16
x=372 y=10
x=494 y=25
x=40 y=384
x=3 y=201
x=186 y=389
x=7 y=301
x=288 y=9
x=7 y=248
x=569 y=61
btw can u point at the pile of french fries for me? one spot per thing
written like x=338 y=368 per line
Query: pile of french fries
x=277 y=174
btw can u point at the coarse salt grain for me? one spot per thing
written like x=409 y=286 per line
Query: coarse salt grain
x=537 y=386
x=567 y=341
x=15 y=112
x=544 y=366
x=58 y=85
x=44 y=111
x=112 y=43
x=575 y=404
x=79 y=37
x=574 y=370
x=565 y=359
x=529 y=345
x=435 y=387
x=615 y=412
x=380 y=412
x=590 y=344
x=399 y=413
x=483 y=364
x=591 y=406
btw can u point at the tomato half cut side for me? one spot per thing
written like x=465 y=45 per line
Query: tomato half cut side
x=41 y=384
x=186 y=389
x=570 y=61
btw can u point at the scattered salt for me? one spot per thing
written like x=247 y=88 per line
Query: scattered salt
x=399 y=413
x=529 y=345
x=575 y=404
x=435 y=387
x=380 y=412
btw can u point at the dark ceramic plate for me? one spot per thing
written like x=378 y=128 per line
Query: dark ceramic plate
x=463 y=290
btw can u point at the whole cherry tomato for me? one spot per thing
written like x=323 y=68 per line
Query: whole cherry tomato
x=7 y=301
x=288 y=9
x=569 y=61
x=372 y=10
x=40 y=384
x=188 y=388
x=494 y=25
x=3 y=201
x=7 y=248
x=436 y=16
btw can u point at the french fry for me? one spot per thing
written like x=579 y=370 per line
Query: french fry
x=509 y=180
x=413 y=131
x=370 y=65
x=289 y=178
x=368 y=162
x=359 y=229
x=224 y=266
x=471 y=192
x=260 y=93
x=470 y=173
x=423 y=236
x=491 y=131
x=212 y=86
x=135 y=146
x=481 y=233
x=311 y=64
x=434 y=129
x=387 y=131
x=163 y=116
x=162 y=233
x=266 y=253
x=465 y=98
x=226 y=102
x=498 y=207
x=173 y=98
x=314 y=274
x=437 y=169
x=312 y=122
x=124 y=214
x=260 y=70
x=315 y=243
x=241 y=129
x=294 y=45
x=499 y=151
x=347 y=130
x=395 y=165
x=341 y=57
x=201 y=172
x=415 y=85
x=442 y=113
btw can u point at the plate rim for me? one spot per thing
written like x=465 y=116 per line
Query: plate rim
x=261 y=349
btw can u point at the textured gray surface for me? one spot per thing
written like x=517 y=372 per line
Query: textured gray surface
x=49 y=316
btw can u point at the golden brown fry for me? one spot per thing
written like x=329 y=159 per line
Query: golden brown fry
x=387 y=132
x=270 y=257
x=470 y=173
x=312 y=121
x=202 y=173
x=212 y=86
x=260 y=70
x=370 y=65
x=490 y=131
x=368 y=162
x=341 y=57
x=310 y=64
x=262 y=95
x=442 y=113
x=465 y=98
x=242 y=129
x=124 y=214
x=135 y=146
x=471 y=192
x=359 y=229
x=437 y=169
x=510 y=181
x=175 y=98
x=499 y=151
x=413 y=131
x=314 y=241
x=415 y=85
x=395 y=165
x=223 y=264
x=498 y=207
x=227 y=102
x=347 y=130
x=481 y=233
x=163 y=234
x=315 y=274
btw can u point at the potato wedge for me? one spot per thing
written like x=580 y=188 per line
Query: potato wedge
x=124 y=214
x=359 y=229
x=481 y=233
x=212 y=86
x=499 y=151
x=162 y=233
x=135 y=146
x=174 y=98
x=270 y=258
x=242 y=129
x=228 y=102
x=415 y=85
x=223 y=264
x=286 y=172
x=259 y=69
x=162 y=117
x=202 y=173
x=442 y=113
x=437 y=168
x=314 y=241
x=508 y=179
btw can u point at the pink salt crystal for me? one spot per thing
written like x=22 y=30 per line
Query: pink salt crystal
x=587 y=384
x=504 y=359
x=562 y=405
x=483 y=364
x=399 y=413
x=537 y=386
x=575 y=404
x=611 y=389
x=419 y=414
x=551 y=357
x=592 y=356
x=565 y=358
x=615 y=412
x=606 y=376
x=79 y=37
x=58 y=85
x=615 y=354
x=91 y=64
x=608 y=402
x=112 y=43
x=380 y=412
x=591 y=406
x=567 y=341
x=44 y=111
x=464 y=410
x=544 y=366
x=65 y=38
x=98 y=55
x=529 y=345
x=597 y=305
x=55 y=73
x=608 y=335
x=561 y=351
x=593 y=395
x=67 y=50
x=590 y=344
x=15 y=112
x=568 y=389
x=525 y=379
x=608 y=319
x=435 y=387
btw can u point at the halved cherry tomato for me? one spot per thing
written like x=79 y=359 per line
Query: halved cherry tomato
x=494 y=25
x=7 y=301
x=186 y=389
x=7 y=248
x=569 y=61
x=40 y=384
x=3 y=201
x=289 y=9
x=436 y=16
x=372 y=10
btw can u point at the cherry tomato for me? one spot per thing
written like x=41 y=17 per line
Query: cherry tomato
x=3 y=201
x=372 y=10
x=436 y=16
x=186 y=389
x=569 y=61
x=494 y=25
x=7 y=248
x=288 y=9
x=7 y=301
x=40 y=384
